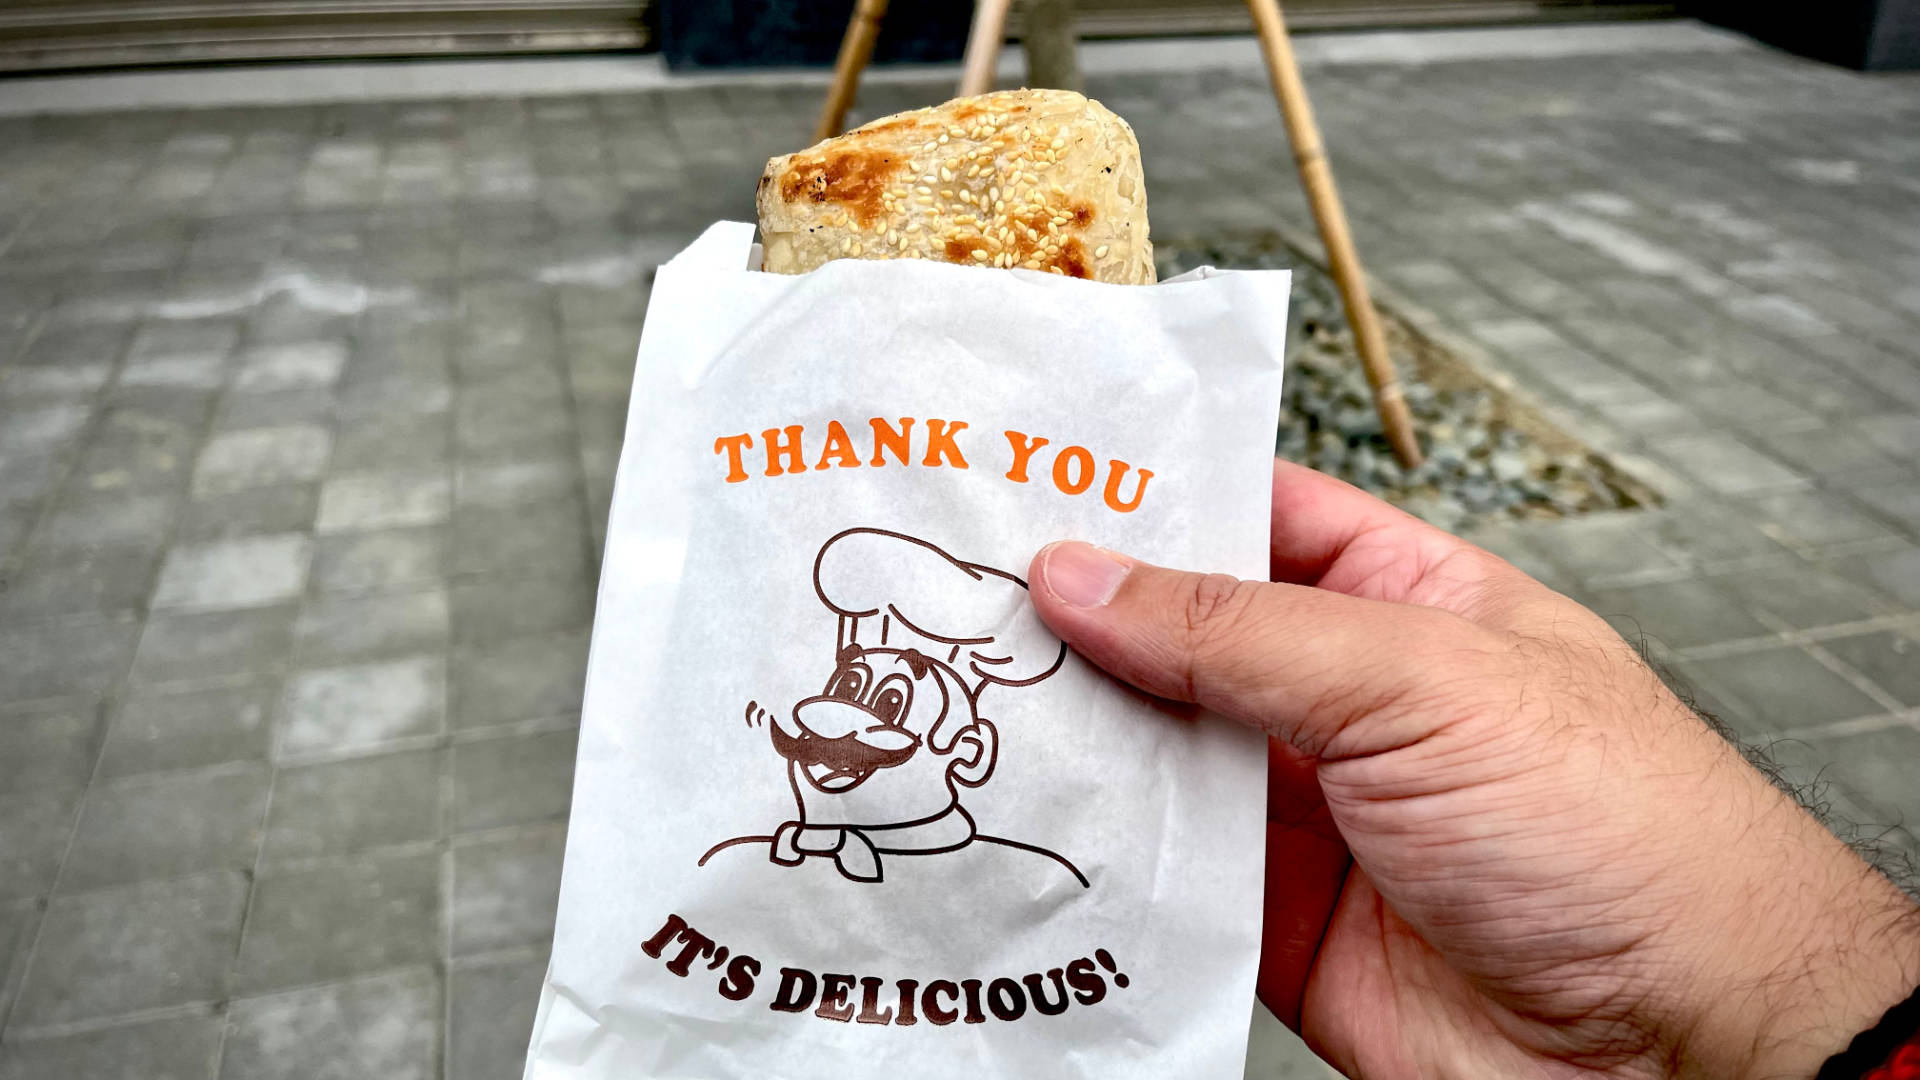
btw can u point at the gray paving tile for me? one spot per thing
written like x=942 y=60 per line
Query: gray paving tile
x=293 y=365
x=534 y=538
x=490 y=1018
x=392 y=441
x=167 y=825
x=1896 y=574
x=286 y=508
x=34 y=827
x=120 y=951
x=1814 y=518
x=1823 y=451
x=48 y=748
x=499 y=606
x=1874 y=770
x=154 y=457
x=38 y=428
x=1783 y=687
x=1600 y=547
x=335 y=629
x=1898 y=436
x=275 y=408
x=516 y=780
x=1890 y=660
x=24 y=382
x=1724 y=464
x=79 y=582
x=132 y=523
x=499 y=485
x=347 y=806
x=259 y=457
x=505 y=890
x=252 y=571
x=1801 y=596
x=19 y=925
x=516 y=679
x=358 y=502
x=345 y=917
x=179 y=372
x=1897 y=500
x=177 y=1048
x=377 y=561
x=361 y=706
x=25 y=477
x=387 y=1026
x=164 y=730
x=211 y=645
x=67 y=657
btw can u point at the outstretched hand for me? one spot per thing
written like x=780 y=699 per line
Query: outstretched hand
x=1497 y=845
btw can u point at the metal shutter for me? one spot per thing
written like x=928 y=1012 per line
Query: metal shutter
x=48 y=34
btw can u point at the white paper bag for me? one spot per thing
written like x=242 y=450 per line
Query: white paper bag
x=844 y=807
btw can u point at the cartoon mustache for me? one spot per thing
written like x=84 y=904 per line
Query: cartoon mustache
x=846 y=754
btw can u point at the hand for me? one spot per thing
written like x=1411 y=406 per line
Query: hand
x=1497 y=845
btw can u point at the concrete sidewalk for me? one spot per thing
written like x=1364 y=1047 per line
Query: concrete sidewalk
x=309 y=415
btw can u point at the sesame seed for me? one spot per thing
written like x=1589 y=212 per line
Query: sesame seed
x=980 y=254
x=946 y=193
x=893 y=236
x=966 y=196
x=856 y=250
x=999 y=206
x=954 y=130
x=947 y=175
x=994 y=193
x=924 y=190
x=942 y=140
x=898 y=239
x=929 y=148
x=924 y=200
x=1100 y=252
x=973 y=170
x=1058 y=142
x=846 y=245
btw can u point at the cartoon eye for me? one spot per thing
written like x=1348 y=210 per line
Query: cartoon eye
x=849 y=683
x=890 y=704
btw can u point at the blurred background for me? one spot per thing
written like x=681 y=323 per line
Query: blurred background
x=317 y=323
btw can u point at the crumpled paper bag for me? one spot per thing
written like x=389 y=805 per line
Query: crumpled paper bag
x=844 y=807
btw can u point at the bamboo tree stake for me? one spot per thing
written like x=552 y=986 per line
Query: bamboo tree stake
x=983 y=46
x=1316 y=176
x=856 y=48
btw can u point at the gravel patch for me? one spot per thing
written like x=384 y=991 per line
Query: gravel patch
x=1489 y=457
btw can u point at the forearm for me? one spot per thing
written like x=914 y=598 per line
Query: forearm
x=1819 y=946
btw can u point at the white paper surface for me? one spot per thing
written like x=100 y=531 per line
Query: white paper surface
x=838 y=669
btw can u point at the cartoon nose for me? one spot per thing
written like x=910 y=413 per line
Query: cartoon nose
x=832 y=718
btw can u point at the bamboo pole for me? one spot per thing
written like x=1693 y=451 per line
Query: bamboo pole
x=1317 y=177
x=856 y=48
x=983 y=46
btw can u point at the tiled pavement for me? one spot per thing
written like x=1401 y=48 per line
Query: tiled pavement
x=308 y=418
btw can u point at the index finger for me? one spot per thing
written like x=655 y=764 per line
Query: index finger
x=1316 y=517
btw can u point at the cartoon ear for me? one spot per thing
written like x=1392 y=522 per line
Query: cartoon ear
x=976 y=749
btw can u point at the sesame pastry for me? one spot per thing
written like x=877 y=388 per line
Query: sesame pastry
x=1042 y=180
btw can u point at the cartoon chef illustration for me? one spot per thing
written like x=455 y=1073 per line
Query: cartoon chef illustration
x=879 y=757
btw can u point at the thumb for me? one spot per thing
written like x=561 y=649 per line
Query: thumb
x=1337 y=676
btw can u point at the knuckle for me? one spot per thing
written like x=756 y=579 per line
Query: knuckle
x=1217 y=607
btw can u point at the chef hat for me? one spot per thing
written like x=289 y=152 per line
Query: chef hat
x=898 y=580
